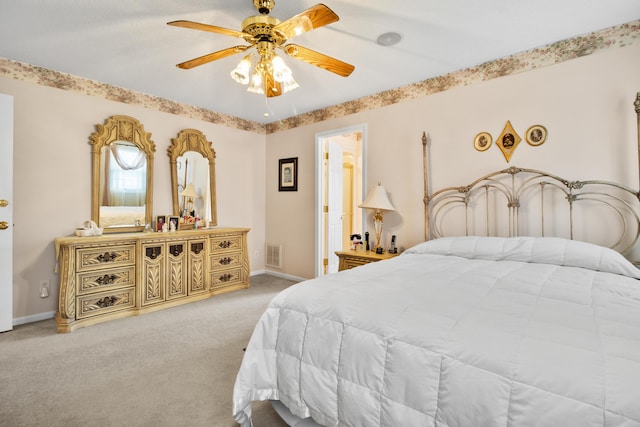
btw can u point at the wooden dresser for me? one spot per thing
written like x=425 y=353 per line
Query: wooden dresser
x=119 y=275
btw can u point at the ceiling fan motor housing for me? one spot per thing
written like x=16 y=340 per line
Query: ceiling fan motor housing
x=261 y=28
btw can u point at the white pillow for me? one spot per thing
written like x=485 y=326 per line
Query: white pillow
x=544 y=250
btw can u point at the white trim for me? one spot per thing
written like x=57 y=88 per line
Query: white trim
x=256 y=272
x=34 y=318
x=285 y=276
x=320 y=136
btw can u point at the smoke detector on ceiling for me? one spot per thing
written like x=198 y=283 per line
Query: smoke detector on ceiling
x=389 y=39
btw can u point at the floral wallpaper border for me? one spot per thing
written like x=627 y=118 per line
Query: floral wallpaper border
x=618 y=36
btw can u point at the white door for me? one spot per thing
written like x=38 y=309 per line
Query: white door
x=335 y=205
x=6 y=213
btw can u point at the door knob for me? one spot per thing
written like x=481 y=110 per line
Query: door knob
x=4 y=203
x=4 y=225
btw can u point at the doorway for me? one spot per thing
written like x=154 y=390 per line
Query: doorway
x=340 y=185
x=6 y=213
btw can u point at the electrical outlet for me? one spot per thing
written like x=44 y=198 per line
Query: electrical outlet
x=256 y=254
x=44 y=289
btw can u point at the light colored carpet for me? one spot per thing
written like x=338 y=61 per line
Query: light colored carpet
x=174 y=367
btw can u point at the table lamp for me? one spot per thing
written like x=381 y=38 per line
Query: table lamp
x=377 y=199
x=189 y=193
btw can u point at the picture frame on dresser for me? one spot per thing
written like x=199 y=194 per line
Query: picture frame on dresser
x=288 y=174
x=160 y=222
x=175 y=220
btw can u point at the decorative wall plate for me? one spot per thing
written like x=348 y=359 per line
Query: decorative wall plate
x=508 y=141
x=536 y=135
x=482 y=141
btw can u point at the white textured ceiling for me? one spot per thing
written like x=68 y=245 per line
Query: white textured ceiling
x=128 y=44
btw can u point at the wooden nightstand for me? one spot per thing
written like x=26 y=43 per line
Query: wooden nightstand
x=350 y=259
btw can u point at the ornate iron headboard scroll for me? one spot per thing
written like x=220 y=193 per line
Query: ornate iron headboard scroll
x=518 y=202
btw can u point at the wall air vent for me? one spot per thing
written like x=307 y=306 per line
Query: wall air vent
x=274 y=255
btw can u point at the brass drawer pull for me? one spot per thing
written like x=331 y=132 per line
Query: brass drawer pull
x=225 y=261
x=106 y=302
x=226 y=244
x=107 y=279
x=175 y=250
x=107 y=257
x=154 y=252
x=226 y=277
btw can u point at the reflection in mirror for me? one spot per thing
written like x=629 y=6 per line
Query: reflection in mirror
x=122 y=175
x=192 y=161
x=193 y=185
x=123 y=189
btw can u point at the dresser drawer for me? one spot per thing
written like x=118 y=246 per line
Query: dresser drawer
x=226 y=260
x=105 y=257
x=224 y=278
x=105 y=302
x=226 y=243
x=354 y=262
x=101 y=280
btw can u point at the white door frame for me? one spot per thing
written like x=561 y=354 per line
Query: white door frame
x=320 y=137
x=6 y=212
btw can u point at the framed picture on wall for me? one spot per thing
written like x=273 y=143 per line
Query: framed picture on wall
x=288 y=174
x=536 y=135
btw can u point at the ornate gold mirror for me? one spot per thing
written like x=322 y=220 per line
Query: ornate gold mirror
x=193 y=178
x=122 y=175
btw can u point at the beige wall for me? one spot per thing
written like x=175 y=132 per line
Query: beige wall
x=52 y=174
x=586 y=104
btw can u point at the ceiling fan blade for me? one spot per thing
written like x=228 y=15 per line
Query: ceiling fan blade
x=206 y=27
x=314 y=17
x=212 y=57
x=319 y=59
x=271 y=86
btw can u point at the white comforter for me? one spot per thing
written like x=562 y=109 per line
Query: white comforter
x=456 y=332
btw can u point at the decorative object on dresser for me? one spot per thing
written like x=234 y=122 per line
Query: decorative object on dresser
x=351 y=259
x=378 y=200
x=191 y=153
x=121 y=152
x=119 y=275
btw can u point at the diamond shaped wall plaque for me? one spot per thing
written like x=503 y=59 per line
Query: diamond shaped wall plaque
x=508 y=141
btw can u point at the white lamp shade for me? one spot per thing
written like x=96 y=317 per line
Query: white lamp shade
x=190 y=191
x=377 y=199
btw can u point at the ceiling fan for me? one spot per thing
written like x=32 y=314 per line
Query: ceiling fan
x=270 y=76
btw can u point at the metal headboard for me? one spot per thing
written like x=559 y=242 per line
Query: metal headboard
x=519 y=201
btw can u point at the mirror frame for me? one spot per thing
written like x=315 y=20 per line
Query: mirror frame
x=120 y=128
x=193 y=140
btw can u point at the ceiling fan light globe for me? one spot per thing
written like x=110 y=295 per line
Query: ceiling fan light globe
x=280 y=70
x=256 y=84
x=241 y=72
x=289 y=85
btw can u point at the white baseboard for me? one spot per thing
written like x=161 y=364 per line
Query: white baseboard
x=285 y=276
x=33 y=318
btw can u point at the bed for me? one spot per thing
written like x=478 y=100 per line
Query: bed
x=474 y=329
